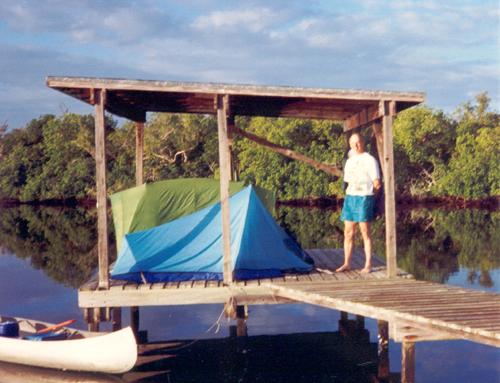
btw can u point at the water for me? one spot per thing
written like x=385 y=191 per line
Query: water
x=46 y=253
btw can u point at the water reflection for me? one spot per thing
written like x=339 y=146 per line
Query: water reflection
x=433 y=244
x=60 y=241
x=436 y=245
x=342 y=356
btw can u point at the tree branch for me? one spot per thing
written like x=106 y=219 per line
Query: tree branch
x=330 y=169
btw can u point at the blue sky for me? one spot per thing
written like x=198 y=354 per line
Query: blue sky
x=449 y=49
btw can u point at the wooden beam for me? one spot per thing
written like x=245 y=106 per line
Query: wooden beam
x=389 y=109
x=102 y=211
x=139 y=153
x=330 y=169
x=363 y=118
x=408 y=362
x=225 y=176
x=384 y=370
x=233 y=89
x=377 y=132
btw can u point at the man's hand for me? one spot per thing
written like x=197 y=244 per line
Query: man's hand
x=377 y=185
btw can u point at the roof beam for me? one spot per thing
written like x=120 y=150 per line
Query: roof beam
x=364 y=117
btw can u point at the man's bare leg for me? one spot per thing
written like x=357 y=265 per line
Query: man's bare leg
x=349 y=231
x=367 y=242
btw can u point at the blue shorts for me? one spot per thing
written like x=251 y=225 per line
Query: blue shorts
x=358 y=208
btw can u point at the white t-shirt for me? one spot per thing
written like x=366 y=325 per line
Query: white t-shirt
x=360 y=171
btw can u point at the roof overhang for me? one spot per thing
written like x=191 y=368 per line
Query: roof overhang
x=133 y=98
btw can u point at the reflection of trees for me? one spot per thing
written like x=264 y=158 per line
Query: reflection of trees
x=432 y=244
x=59 y=241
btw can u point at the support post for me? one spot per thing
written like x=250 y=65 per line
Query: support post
x=117 y=318
x=384 y=371
x=139 y=153
x=102 y=217
x=241 y=321
x=408 y=362
x=360 y=322
x=233 y=174
x=389 y=108
x=222 y=102
x=377 y=132
x=134 y=319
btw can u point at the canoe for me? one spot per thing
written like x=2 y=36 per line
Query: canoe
x=114 y=352
x=17 y=373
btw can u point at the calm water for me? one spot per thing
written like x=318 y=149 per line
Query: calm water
x=46 y=253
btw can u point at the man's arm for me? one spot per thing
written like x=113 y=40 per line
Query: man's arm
x=377 y=184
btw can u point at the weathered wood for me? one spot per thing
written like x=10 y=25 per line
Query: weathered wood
x=134 y=319
x=389 y=188
x=241 y=320
x=102 y=212
x=330 y=169
x=117 y=319
x=408 y=362
x=379 y=140
x=383 y=350
x=333 y=298
x=139 y=153
x=231 y=89
x=225 y=176
x=363 y=118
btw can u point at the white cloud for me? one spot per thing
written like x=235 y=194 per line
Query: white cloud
x=254 y=20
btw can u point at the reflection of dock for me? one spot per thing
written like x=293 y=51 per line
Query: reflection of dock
x=343 y=356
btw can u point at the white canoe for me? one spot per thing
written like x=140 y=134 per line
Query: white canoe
x=114 y=352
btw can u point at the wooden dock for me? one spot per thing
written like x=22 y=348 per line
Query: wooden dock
x=407 y=310
x=415 y=310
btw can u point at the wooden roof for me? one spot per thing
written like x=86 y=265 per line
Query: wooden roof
x=133 y=98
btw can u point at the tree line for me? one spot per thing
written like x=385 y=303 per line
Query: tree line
x=436 y=154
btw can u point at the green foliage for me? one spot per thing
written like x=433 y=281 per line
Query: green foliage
x=423 y=144
x=435 y=154
x=180 y=145
x=62 y=242
x=439 y=155
x=321 y=140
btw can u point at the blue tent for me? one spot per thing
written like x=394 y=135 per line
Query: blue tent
x=190 y=247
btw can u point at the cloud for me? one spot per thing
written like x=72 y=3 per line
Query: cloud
x=433 y=46
x=251 y=19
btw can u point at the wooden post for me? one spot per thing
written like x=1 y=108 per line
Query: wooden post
x=139 y=153
x=117 y=318
x=230 y=134
x=390 y=196
x=241 y=321
x=102 y=217
x=408 y=362
x=225 y=175
x=377 y=132
x=360 y=322
x=134 y=319
x=383 y=350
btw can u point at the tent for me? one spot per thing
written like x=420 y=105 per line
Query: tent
x=190 y=247
x=152 y=204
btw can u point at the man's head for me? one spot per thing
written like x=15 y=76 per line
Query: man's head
x=356 y=143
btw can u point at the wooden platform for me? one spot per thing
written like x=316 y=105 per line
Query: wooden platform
x=415 y=310
x=124 y=294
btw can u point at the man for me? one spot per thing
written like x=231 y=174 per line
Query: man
x=362 y=175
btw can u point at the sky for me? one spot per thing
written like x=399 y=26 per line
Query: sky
x=449 y=49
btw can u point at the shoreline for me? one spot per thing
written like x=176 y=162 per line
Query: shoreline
x=406 y=202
